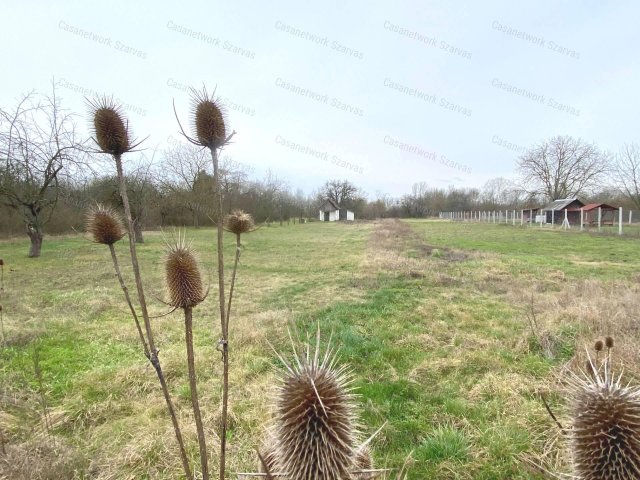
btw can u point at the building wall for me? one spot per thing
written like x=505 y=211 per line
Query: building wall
x=350 y=215
x=334 y=216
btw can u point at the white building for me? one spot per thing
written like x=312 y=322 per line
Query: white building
x=330 y=212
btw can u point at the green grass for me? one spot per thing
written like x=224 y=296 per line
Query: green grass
x=438 y=347
x=533 y=249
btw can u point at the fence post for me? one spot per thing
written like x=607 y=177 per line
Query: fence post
x=599 y=217
x=522 y=217
x=553 y=218
x=581 y=218
x=620 y=221
x=630 y=213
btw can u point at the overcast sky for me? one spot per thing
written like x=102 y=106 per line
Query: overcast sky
x=383 y=94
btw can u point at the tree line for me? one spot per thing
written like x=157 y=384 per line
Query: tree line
x=49 y=177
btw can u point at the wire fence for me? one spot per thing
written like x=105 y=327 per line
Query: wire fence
x=604 y=220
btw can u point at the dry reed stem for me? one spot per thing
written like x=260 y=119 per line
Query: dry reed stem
x=224 y=322
x=153 y=358
x=188 y=324
x=127 y=297
x=233 y=276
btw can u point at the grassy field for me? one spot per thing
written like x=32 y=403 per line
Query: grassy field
x=452 y=330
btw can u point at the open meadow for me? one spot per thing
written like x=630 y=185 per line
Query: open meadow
x=453 y=332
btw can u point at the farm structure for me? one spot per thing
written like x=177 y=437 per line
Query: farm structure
x=331 y=212
x=590 y=215
x=556 y=211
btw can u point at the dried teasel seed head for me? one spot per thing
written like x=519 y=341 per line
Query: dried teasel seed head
x=110 y=127
x=239 y=222
x=1 y=262
x=184 y=282
x=208 y=119
x=315 y=420
x=0 y=308
x=362 y=458
x=599 y=346
x=605 y=434
x=608 y=342
x=269 y=454
x=104 y=225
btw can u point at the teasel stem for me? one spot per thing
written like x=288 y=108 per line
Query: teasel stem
x=224 y=342
x=127 y=297
x=188 y=324
x=153 y=352
x=233 y=276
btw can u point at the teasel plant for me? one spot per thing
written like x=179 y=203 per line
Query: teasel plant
x=605 y=422
x=113 y=137
x=316 y=430
x=210 y=131
x=186 y=290
x=603 y=425
x=237 y=222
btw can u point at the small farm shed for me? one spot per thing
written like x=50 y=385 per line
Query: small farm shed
x=591 y=214
x=529 y=213
x=331 y=212
x=554 y=212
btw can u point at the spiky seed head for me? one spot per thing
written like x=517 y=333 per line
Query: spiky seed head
x=315 y=422
x=363 y=459
x=269 y=454
x=239 y=222
x=598 y=346
x=0 y=308
x=208 y=119
x=605 y=437
x=1 y=262
x=104 y=224
x=608 y=342
x=183 y=276
x=110 y=127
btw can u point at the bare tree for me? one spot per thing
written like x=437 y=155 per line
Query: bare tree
x=342 y=192
x=233 y=178
x=500 y=192
x=627 y=172
x=184 y=173
x=562 y=167
x=37 y=141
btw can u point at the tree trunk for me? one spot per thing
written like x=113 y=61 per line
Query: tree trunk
x=137 y=231
x=36 y=242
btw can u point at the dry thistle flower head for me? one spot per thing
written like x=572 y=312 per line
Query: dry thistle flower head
x=605 y=438
x=208 y=119
x=183 y=275
x=110 y=127
x=608 y=342
x=239 y=222
x=599 y=346
x=315 y=424
x=104 y=224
